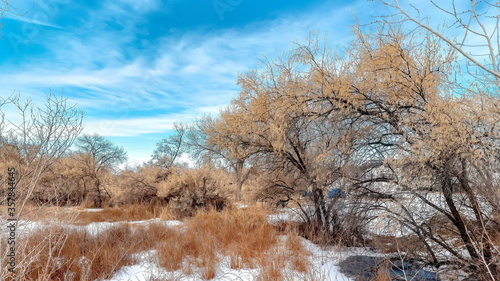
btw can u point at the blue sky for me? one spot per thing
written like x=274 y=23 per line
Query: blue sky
x=135 y=67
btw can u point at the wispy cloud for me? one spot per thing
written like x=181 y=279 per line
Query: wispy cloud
x=135 y=126
x=132 y=87
x=27 y=19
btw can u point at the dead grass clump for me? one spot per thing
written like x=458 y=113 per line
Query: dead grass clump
x=310 y=231
x=208 y=267
x=297 y=251
x=166 y=214
x=382 y=272
x=60 y=254
x=170 y=254
x=391 y=244
x=271 y=266
x=244 y=237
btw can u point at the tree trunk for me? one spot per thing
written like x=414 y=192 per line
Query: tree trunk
x=98 y=202
x=237 y=194
x=485 y=241
x=457 y=218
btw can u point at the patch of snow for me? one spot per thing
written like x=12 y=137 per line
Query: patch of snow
x=92 y=210
x=23 y=226
x=96 y=228
x=240 y=205
x=324 y=266
x=157 y=220
x=288 y=214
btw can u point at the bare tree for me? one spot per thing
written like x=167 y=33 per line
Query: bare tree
x=171 y=148
x=42 y=135
x=7 y=8
x=99 y=156
x=219 y=140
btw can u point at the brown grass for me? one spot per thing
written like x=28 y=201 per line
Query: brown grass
x=382 y=273
x=297 y=252
x=81 y=216
x=244 y=237
x=61 y=254
x=58 y=253
x=495 y=239
x=36 y=213
x=272 y=265
x=124 y=213
x=316 y=234
x=391 y=244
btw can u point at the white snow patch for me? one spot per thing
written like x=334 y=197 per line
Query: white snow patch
x=240 y=205
x=324 y=266
x=288 y=214
x=93 y=210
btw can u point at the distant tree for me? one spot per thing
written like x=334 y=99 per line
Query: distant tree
x=171 y=148
x=219 y=140
x=99 y=155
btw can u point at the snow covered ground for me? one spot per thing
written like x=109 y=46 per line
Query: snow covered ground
x=324 y=266
x=324 y=262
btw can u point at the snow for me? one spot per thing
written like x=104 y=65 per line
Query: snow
x=240 y=205
x=95 y=228
x=324 y=261
x=93 y=210
x=288 y=214
x=324 y=266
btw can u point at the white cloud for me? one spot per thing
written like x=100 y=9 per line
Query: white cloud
x=135 y=126
x=195 y=73
x=27 y=19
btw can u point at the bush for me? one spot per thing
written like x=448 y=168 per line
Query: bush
x=187 y=190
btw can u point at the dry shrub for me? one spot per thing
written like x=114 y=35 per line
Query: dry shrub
x=139 y=186
x=348 y=233
x=187 y=190
x=166 y=213
x=312 y=232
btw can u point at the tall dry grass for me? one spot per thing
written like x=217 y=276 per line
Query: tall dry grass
x=209 y=235
x=199 y=246
x=58 y=253
x=245 y=237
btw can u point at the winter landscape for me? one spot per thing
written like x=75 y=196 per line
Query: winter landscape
x=250 y=140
